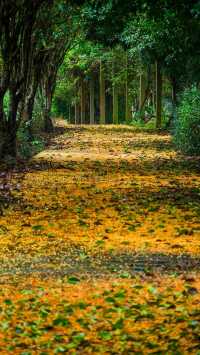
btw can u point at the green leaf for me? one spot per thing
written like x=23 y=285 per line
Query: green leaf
x=61 y=321
x=71 y=345
x=152 y=290
x=110 y=299
x=8 y=302
x=131 y=228
x=120 y=295
x=78 y=338
x=5 y=325
x=38 y=227
x=105 y=335
x=125 y=275
x=100 y=242
x=73 y=280
x=60 y=349
x=82 y=305
x=44 y=312
x=119 y=324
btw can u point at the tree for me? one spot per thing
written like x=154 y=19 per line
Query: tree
x=34 y=36
x=17 y=24
x=165 y=32
x=55 y=30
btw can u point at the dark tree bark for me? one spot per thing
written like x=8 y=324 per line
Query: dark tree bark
x=29 y=105
x=92 y=99
x=83 y=100
x=16 y=30
x=53 y=58
x=158 y=95
x=48 y=124
x=77 y=103
x=102 y=93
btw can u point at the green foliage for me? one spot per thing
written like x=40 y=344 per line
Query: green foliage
x=6 y=101
x=187 y=131
x=141 y=124
x=164 y=30
x=62 y=98
x=28 y=147
x=166 y=38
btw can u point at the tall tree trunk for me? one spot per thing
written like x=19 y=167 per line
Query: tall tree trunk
x=142 y=94
x=77 y=113
x=102 y=94
x=115 y=99
x=4 y=82
x=158 y=95
x=115 y=105
x=154 y=86
x=69 y=112
x=9 y=145
x=48 y=124
x=27 y=117
x=77 y=103
x=83 y=101
x=28 y=109
x=9 y=137
x=1 y=112
x=92 y=109
x=127 y=108
x=174 y=91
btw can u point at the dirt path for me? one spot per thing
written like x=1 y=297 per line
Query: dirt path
x=106 y=191
x=102 y=208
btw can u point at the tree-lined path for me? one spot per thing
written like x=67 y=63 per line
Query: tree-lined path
x=100 y=250
x=99 y=177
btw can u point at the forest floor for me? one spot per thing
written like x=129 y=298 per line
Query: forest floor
x=100 y=246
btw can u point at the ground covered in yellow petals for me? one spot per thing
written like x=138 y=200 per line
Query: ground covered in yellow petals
x=87 y=228
x=138 y=316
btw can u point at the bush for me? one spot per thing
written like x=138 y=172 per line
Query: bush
x=187 y=127
x=26 y=147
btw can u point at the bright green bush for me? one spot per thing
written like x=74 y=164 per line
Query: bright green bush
x=187 y=127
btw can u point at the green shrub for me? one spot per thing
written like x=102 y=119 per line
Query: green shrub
x=26 y=147
x=187 y=126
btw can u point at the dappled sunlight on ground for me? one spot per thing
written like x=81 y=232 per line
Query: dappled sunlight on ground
x=98 y=207
x=143 y=203
x=107 y=143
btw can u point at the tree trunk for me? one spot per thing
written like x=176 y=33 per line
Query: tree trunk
x=28 y=110
x=9 y=143
x=77 y=103
x=102 y=94
x=142 y=96
x=69 y=112
x=27 y=117
x=92 y=109
x=115 y=105
x=115 y=97
x=9 y=134
x=127 y=109
x=174 y=91
x=154 y=87
x=83 y=101
x=77 y=113
x=158 y=95
x=48 y=124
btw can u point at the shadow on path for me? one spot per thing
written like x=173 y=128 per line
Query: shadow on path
x=77 y=260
